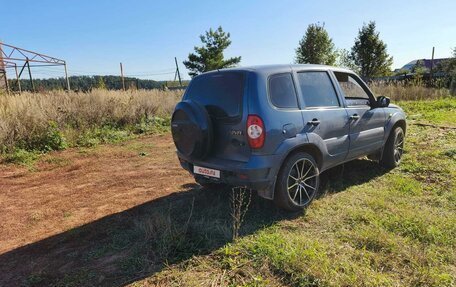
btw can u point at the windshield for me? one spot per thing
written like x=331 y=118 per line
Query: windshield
x=221 y=93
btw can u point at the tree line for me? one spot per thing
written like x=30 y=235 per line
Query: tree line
x=87 y=83
x=368 y=56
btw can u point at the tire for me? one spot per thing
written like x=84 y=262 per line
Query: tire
x=297 y=182
x=393 y=149
x=192 y=131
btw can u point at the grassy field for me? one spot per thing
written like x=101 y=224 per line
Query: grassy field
x=126 y=214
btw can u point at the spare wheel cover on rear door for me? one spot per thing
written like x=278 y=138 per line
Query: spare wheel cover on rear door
x=191 y=127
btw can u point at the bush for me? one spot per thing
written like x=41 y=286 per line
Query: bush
x=50 y=139
x=154 y=124
x=20 y=156
x=104 y=134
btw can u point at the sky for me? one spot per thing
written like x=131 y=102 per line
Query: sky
x=94 y=36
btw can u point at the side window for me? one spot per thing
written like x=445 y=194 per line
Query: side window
x=317 y=89
x=353 y=92
x=282 y=91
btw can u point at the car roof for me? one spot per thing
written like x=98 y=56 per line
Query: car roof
x=282 y=68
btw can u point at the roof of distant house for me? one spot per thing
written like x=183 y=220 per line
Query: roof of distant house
x=425 y=62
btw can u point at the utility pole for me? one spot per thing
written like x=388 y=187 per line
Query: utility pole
x=66 y=77
x=177 y=71
x=122 y=76
x=432 y=63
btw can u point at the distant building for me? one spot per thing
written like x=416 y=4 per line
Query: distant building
x=425 y=63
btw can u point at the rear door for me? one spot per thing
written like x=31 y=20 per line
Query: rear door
x=223 y=94
x=284 y=120
x=325 y=118
x=366 y=124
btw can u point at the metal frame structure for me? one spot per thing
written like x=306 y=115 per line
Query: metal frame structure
x=14 y=57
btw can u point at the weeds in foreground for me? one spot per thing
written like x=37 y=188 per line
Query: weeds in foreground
x=240 y=199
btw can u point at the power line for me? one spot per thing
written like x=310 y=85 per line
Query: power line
x=142 y=73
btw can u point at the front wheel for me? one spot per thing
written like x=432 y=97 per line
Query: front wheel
x=297 y=182
x=393 y=149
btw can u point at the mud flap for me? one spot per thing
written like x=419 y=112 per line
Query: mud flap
x=268 y=192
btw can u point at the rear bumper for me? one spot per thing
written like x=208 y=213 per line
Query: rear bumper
x=258 y=173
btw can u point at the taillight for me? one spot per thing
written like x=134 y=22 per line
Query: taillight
x=255 y=131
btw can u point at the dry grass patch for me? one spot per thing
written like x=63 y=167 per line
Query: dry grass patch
x=55 y=120
x=402 y=91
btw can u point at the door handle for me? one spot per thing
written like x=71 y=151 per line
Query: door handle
x=314 y=122
x=354 y=117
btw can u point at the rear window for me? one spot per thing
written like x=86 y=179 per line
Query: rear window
x=221 y=93
x=282 y=91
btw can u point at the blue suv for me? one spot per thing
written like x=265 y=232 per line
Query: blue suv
x=276 y=128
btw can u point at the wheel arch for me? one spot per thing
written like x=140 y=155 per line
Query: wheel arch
x=399 y=123
x=309 y=148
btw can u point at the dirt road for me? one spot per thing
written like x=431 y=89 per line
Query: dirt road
x=71 y=188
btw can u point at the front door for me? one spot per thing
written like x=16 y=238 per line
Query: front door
x=367 y=124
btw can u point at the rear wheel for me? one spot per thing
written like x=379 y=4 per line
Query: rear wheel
x=393 y=149
x=297 y=182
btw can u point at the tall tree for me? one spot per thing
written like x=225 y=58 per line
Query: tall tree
x=100 y=83
x=369 y=53
x=316 y=47
x=210 y=55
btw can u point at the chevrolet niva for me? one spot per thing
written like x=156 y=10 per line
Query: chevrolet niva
x=276 y=128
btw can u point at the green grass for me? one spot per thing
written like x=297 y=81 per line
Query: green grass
x=395 y=228
x=22 y=157
x=442 y=111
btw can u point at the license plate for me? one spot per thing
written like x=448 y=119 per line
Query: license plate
x=206 y=171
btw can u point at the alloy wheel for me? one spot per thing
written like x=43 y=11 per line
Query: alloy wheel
x=302 y=182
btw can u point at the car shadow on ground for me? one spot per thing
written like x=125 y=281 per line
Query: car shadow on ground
x=355 y=172
x=136 y=243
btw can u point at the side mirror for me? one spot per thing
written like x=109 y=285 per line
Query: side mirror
x=383 y=102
